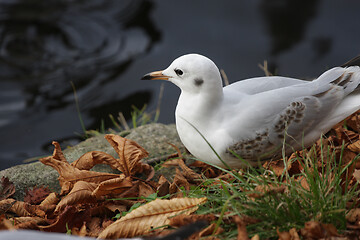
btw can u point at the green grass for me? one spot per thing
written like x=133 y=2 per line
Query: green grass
x=289 y=204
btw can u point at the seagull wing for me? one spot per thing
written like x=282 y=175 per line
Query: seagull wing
x=262 y=84
x=292 y=114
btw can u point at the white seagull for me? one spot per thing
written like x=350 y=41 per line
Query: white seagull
x=255 y=118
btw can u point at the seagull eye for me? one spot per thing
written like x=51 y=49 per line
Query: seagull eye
x=178 y=72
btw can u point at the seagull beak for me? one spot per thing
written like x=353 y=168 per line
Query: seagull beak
x=155 y=76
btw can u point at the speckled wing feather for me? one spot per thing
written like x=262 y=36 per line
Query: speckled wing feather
x=298 y=118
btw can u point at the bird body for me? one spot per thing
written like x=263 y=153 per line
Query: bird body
x=257 y=117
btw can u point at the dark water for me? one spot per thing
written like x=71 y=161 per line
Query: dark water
x=104 y=47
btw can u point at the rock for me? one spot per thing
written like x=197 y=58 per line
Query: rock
x=152 y=137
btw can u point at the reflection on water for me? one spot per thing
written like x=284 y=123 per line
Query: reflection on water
x=46 y=44
x=286 y=21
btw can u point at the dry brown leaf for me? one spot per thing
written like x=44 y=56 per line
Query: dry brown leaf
x=81 y=192
x=179 y=181
x=356 y=175
x=19 y=209
x=6 y=224
x=283 y=235
x=58 y=154
x=69 y=174
x=7 y=188
x=115 y=207
x=241 y=228
x=151 y=215
x=144 y=169
x=355 y=147
x=182 y=220
x=34 y=210
x=294 y=234
x=163 y=186
x=145 y=189
x=277 y=166
x=209 y=231
x=188 y=173
x=353 y=215
x=354 y=121
x=6 y=204
x=36 y=195
x=255 y=237
x=82 y=232
x=129 y=151
x=266 y=190
x=51 y=199
x=345 y=135
x=207 y=170
x=113 y=186
x=316 y=230
x=304 y=183
x=90 y=159
x=171 y=163
x=94 y=227
x=29 y=222
x=70 y=217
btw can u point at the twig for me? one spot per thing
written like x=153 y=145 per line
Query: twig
x=161 y=93
x=224 y=76
x=265 y=68
x=122 y=121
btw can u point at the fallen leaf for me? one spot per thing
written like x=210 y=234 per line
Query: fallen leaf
x=113 y=186
x=255 y=237
x=90 y=159
x=163 y=187
x=144 y=169
x=145 y=189
x=262 y=190
x=183 y=220
x=51 y=199
x=6 y=224
x=58 y=154
x=355 y=147
x=283 y=235
x=19 y=209
x=115 y=207
x=354 y=214
x=82 y=232
x=207 y=170
x=7 y=188
x=36 y=195
x=81 y=192
x=69 y=174
x=354 y=122
x=241 y=228
x=6 y=204
x=294 y=234
x=212 y=230
x=151 y=215
x=70 y=217
x=29 y=222
x=179 y=181
x=94 y=227
x=129 y=151
x=316 y=230
x=356 y=175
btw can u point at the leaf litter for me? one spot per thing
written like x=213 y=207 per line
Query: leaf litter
x=132 y=203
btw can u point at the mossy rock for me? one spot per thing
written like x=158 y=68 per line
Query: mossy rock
x=155 y=138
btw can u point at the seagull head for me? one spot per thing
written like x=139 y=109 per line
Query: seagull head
x=192 y=73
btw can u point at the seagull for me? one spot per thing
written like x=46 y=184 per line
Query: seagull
x=257 y=119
